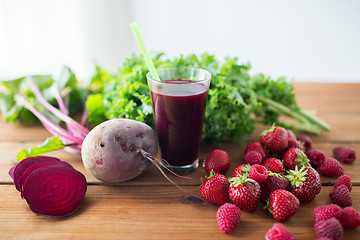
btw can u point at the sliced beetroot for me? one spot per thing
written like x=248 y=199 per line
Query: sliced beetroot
x=11 y=172
x=34 y=168
x=55 y=190
x=27 y=162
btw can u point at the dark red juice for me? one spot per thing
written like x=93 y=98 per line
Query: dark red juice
x=179 y=115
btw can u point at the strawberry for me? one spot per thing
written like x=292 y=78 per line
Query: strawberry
x=279 y=232
x=273 y=182
x=274 y=165
x=306 y=142
x=326 y=212
x=258 y=173
x=316 y=158
x=283 y=204
x=257 y=147
x=344 y=179
x=217 y=160
x=253 y=157
x=341 y=196
x=243 y=169
x=344 y=154
x=293 y=157
x=305 y=183
x=228 y=217
x=331 y=168
x=274 y=139
x=349 y=218
x=330 y=228
x=215 y=189
x=244 y=192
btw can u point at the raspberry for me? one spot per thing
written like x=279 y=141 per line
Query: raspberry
x=350 y=218
x=307 y=142
x=228 y=217
x=258 y=173
x=344 y=179
x=344 y=154
x=291 y=134
x=326 y=212
x=341 y=196
x=253 y=157
x=330 y=228
x=293 y=143
x=331 y=168
x=278 y=232
x=316 y=157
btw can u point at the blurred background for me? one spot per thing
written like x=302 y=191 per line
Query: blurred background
x=317 y=41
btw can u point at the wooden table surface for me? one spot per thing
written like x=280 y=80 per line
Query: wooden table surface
x=149 y=207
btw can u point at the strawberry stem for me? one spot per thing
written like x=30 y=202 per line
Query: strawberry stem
x=237 y=181
x=297 y=177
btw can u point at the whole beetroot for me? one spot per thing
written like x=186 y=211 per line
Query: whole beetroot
x=118 y=150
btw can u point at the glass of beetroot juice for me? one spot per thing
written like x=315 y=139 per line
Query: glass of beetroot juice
x=179 y=101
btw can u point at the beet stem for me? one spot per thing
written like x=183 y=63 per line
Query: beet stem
x=55 y=111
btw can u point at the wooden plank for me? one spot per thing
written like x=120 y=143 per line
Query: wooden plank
x=305 y=89
x=140 y=212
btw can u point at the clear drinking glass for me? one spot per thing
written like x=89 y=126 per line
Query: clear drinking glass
x=179 y=102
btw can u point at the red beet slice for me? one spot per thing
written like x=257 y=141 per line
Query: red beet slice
x=30 y=170
x=55 y=190
x=11 y=172
x=21 y=180
x=27 y=162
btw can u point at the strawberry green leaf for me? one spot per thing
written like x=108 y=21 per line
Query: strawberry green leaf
x=297 y=177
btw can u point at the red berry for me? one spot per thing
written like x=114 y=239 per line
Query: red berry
x=344 y=179
x=273 y=182
x=293 y=143
x=258 y=173
x=341 y=196
x=279 y=232
x=215 y=189
x=274 y=165
x=331 y=168
x=305 y=183
x=241 y=170
x=244 y=192
x=257 y=147
x=326 y=212
x=274 y=139
x=316 y=157
x=344 y=154
x=217 y=160
x=228 y=217
x=295 y=157
x=307 y=142
x=291 y=134
x=350 y=218
x=283 y=204
x=253 y=157
x=330 y=228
